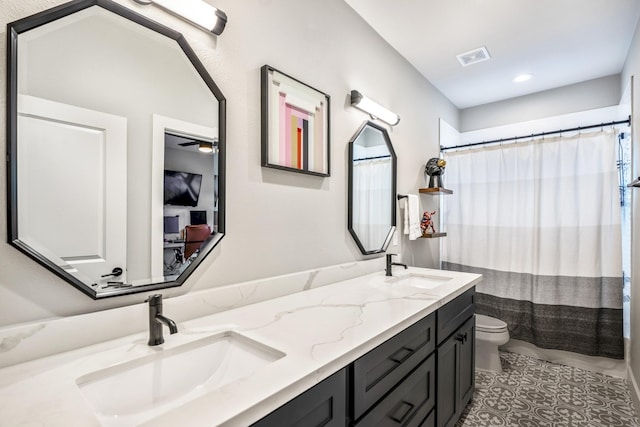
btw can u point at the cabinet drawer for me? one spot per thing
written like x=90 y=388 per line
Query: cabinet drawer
x=409 y=403
x=323 y=405
x=453 y=314
x=377 y=372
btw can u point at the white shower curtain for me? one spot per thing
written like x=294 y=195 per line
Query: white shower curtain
x=541 y=221
x=372 y=189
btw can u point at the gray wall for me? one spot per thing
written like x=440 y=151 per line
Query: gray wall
x=592 y=94
x=277 y=222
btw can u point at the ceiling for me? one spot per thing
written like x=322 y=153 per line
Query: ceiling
x=560 y=42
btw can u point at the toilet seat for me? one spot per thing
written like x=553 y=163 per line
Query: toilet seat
x=490 y=324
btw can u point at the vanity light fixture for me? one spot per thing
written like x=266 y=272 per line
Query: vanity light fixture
x=197 y=12
x=374 y=109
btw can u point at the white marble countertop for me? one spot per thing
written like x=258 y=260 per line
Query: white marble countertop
x=319 y=331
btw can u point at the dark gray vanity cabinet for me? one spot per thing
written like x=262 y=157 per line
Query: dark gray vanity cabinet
x=421 y=377
x=323 y=405
x=456 y=358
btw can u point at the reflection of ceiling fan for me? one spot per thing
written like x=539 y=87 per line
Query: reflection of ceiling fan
x=203 y=146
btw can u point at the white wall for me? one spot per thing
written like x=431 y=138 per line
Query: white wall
x=277 y=222
x=632 y=70
x=589 y=95
x=530 y=127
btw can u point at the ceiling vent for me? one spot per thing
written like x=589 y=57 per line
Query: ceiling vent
x=474 y=56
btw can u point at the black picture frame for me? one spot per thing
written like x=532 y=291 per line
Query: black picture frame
x=294 y=138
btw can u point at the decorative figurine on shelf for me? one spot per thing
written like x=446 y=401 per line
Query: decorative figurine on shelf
x=435 y=168
x=427 y=223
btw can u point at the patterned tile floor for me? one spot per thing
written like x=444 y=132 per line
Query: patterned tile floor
x=531 y=393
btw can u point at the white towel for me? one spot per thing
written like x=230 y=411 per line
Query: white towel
x=405 y=225
x=412 y=217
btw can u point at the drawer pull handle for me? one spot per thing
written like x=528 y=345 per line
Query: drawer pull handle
x=461 y=337
x=401 y=355
x=401 y=412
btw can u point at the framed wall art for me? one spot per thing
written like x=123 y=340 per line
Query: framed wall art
x=295 y=125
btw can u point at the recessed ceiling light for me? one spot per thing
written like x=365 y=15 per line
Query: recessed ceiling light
x=522 y=78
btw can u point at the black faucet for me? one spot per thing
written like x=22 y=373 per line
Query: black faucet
x=156 y=319
x=390 y=264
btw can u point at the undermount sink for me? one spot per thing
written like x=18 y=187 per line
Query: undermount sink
x=423 y=281
x=140 y=389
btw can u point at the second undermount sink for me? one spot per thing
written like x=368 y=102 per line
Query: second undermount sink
x=423 y=281
x=138 y=390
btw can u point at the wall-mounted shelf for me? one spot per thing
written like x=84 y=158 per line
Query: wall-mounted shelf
x=433 y=235
x=435 y=191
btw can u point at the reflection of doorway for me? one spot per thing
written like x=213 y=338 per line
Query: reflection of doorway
x=72 y=176
x=176 y=146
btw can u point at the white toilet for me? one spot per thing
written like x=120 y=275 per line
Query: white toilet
x=490 y=333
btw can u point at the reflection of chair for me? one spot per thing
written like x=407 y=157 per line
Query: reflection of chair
x=194 y=236
x=173 y=258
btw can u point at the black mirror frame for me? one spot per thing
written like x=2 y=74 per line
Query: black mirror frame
x=394 y=166
x=16 y=28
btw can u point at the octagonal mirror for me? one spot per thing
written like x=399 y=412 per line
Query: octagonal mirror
x=116 y=142
x=372 y=188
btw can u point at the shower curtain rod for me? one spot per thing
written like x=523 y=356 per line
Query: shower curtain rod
x=372 y=158
x=534 y=135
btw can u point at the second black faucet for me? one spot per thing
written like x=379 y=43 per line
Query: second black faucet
x=391 y=264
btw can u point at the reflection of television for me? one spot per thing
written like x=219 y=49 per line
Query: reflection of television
x=181 y=188
x=198 y=217
x=171 y=225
